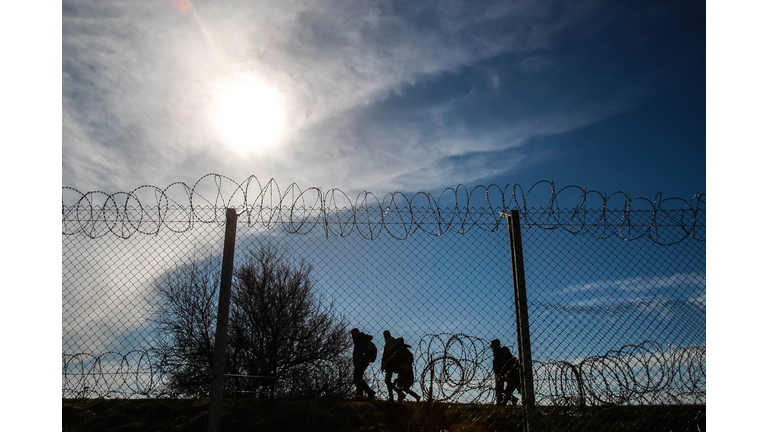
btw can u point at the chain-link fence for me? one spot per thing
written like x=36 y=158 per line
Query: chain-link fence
x=616 y=298
x=616 y=322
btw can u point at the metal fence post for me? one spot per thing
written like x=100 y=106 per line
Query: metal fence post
x=222 y=321
x=521 y=313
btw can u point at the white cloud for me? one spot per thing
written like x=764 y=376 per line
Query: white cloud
x=139 y=80
x=640 y=283
x=108 y=289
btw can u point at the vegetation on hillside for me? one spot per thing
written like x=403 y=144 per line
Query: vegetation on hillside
x=306 y=415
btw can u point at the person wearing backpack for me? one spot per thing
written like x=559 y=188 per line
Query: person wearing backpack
x=397 y=358
x=506 y=370
x=402 y=384
x=363 y=354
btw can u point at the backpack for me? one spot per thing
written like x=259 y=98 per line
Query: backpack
x=504 y=362
x=370 y=352
x=406 y=356
x=398 y=359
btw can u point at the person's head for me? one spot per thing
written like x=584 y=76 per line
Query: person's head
x=355 y=332
x=387 y=335
x=495 y=344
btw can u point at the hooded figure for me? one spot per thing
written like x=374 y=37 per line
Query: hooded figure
x=506 y=370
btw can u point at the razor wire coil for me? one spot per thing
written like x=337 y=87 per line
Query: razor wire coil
x=457 y=367
x=178 y=207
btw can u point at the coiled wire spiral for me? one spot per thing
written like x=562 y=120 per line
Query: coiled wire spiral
x=178 y=207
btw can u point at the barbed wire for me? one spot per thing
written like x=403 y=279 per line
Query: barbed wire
x=645 y=373
x=178 y=207
x=455 y=368
x=458 y=368
x=111 y=374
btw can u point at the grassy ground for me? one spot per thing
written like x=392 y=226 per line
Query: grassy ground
x=86 y=415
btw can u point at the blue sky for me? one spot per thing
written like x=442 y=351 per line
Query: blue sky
x=388 y=96
x=379 y=110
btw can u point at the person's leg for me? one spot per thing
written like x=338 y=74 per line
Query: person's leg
x=507 y=391
x=366 y=387
x=414 y=394
x=499 y=391
x=404 y=382
x=357 y=378
x=398 y=390
x=400 y=394
x=514 y=384
x=388 y=382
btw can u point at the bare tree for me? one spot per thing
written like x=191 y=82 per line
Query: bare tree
x=284 y=339
x=187 y=323
x=282 y=331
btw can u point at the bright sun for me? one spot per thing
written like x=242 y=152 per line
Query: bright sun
x=249 y=114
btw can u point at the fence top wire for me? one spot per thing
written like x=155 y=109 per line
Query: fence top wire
x=178 y=207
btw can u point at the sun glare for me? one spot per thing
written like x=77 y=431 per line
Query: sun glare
x=249 y=113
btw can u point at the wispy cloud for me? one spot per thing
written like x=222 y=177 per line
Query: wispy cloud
x=640 y=283
x=139 y=80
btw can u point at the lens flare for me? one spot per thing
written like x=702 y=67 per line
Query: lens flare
x=181 y=5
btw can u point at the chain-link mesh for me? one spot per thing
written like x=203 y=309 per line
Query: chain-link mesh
x=615 y=320
x=110 y=304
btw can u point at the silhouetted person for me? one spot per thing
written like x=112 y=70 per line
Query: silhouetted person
x=391 y=345
x=363 y=354
x=506 y=370
x=397 y=359
x=404 y=381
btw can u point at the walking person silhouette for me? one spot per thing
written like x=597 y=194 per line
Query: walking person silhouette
x=363 y=354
